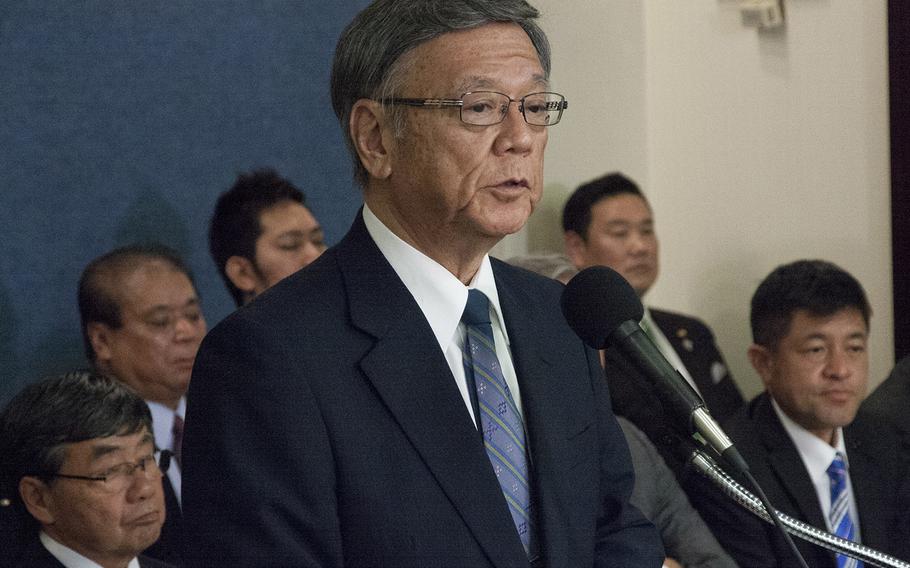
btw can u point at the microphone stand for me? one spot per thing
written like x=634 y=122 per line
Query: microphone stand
x=709 y=468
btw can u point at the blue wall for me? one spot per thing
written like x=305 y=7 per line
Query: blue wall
x=122 y=122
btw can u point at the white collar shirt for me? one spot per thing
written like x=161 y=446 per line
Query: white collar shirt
x=817 y=455
x=69 y=557
x=163 y=427
x=442 y=299
x=663 y=344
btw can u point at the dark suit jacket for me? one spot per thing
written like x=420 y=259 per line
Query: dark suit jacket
x=36 y=556
x=634 y=398
x=877 y=473
x=169 y=546
x=324 y=428
x=891 y=400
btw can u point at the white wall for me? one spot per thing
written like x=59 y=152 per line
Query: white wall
x=755 y=149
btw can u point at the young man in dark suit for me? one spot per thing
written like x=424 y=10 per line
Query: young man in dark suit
x=816 y=458
x=609 y=222
x=82 y=475
x=405 y=400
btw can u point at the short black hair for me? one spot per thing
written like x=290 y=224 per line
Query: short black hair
x=576 y=215
x=235 y=225
x=97 y=286
x=46 y=416
x=816 y=286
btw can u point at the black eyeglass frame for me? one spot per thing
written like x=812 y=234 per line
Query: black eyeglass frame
x=561 y=105
x=163 y=462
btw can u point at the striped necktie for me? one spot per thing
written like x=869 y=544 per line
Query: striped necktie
x=841 y=523
x=500 y=422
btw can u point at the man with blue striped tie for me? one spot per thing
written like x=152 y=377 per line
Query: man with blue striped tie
x=816 y=457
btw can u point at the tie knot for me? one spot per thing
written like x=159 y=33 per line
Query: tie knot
x=838 y=468
x=477 y=310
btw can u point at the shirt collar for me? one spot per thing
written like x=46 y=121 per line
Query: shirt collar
x=69 y=557
x=439 y=294
x=816 y=454
x=163 y=422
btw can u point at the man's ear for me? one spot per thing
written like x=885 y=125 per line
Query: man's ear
x=242 y=274
x=371 y=137
x=575 y=248
x=99 y=336
x=37 y=498
x=762 y=361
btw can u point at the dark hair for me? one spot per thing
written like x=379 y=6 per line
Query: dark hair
x=98 y=298
x=368 y=58
x=576 y=215
x=46 y=416
x=816 y=286
x=235 y=226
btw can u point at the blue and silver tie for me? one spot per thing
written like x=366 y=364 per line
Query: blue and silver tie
x=841 y=523
x=500 y=421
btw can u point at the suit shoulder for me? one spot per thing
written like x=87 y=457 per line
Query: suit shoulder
x=148 y=562
x=308 y=293
x=517 y=275
x=667 y=319
x=744 y=425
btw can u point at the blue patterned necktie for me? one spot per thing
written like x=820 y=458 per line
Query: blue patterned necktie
x=500 y=422
x=841 y=523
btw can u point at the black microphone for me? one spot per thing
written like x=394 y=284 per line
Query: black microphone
x=603 y=310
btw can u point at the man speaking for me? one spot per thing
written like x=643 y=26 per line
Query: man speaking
x=405 y=400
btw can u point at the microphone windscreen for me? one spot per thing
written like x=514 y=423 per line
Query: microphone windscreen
x=596 y=301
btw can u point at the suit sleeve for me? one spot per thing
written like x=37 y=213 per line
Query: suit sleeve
x=258 y=482
x=685 y=535
x=624 y=536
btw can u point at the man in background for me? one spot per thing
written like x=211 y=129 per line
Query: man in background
x=80 y=469
x=609 y=222
x=405 y=400
x=817 y=460
x=261 y=232
x=142 y=325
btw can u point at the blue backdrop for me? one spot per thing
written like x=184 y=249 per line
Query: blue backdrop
x=122 y=122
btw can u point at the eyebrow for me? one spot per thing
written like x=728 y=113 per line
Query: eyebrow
x=317 y=230
x=193 y=301
x=625 y=222
x=101 y=450
x=475 y=82
x=855 y=335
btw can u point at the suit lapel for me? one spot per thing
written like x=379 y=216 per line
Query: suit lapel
x=788 y=467
x=411 y=376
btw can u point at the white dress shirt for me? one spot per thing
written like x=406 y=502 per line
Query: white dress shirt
x=70 y=558
x=817 y=455
x=442 y=299
x=163 y=426
x=666 y=349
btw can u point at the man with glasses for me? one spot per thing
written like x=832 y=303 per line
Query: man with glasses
x=81 y=474
x=142 y=325
x=405 y=400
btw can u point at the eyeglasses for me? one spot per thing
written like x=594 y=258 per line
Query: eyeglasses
x=486 y=108
x=118 y=478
